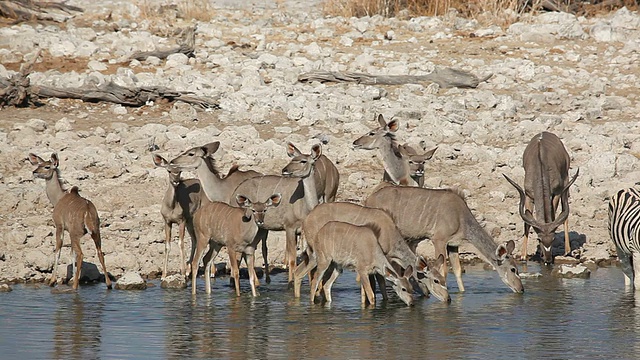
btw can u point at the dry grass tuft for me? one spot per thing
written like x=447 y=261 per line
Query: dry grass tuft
x=200 y=10
x=487 y=12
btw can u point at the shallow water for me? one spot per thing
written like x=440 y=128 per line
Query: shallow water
x=554 y=318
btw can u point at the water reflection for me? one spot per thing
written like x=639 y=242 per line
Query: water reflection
x=625 y=319
x=555 y=318
x=76 y=328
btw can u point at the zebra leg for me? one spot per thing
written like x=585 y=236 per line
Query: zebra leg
x=635 y=263
x=625 y=265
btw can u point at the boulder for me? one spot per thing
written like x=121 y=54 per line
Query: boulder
x=175 y=281
x=571 y=271
x=131 y=281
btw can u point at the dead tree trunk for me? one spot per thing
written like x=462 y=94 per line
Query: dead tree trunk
x=25 y=10
x=17 y=91
x=444 y=77
x=186 y=45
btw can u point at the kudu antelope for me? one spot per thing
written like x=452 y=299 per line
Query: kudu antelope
x=416 y=163
x=546 y=182
x=298 y=189
x=218 y=224
x=71 y=212
x=216 y=187
x=624 y=229
x=180 y=202
x=395 y=157
x=442 y=215
x=391 y=242
x=325 y=173
x=339 y=244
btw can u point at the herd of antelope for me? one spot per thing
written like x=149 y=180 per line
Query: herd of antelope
x=377 y=239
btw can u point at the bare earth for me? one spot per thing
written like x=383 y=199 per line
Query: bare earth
x=118 y=175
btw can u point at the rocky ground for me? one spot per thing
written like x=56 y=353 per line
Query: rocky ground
x=576 y=77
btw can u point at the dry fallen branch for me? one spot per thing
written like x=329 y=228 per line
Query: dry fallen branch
x=25 y=10
x=16 y=91
x=444 y=77
x=186 y=45
x=114 y=93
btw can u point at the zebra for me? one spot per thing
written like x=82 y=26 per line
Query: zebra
x=624 y=229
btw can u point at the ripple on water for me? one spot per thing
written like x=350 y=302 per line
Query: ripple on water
x=553 y=318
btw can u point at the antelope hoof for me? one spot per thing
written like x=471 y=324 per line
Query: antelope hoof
x=267 y=279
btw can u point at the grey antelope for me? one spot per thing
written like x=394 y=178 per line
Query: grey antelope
x=624 y=229
x=219 y=224
x=402 y=163
x=214 y=185
x=71 y=212
x=180 y=202
x=546 y=182
x=416 y=163
x=298 y=189
x=443 y=216
x=325 y=173
x=391 y=242
x=339 y=244
x=394 y=157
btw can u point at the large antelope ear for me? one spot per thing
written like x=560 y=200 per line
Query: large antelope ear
x=243 y=201
x=274 y=200
x=292 y=150
x=380 y=120
x=211 y=148
x=393 y=125
x=54 y=160
x=421 y=264
x=35 y=159
x=159 y=161
x=429 y=154
x=511 y=245
x=397 y=267
x=316 y=151
x=408 y=272
x=439 y=262
x=399 y=150
x=505 y=249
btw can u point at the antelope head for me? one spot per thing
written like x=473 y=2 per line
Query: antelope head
x=431 y=280
x=377 y=137
x=174 y=172
x=45 y=169
x=545 y=231
x=257 y=210
x=192 y=158
x=301 y=165
x=507 y=267
x=417 y=161
x=401 y=284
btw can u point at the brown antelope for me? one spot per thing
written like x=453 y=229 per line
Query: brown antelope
x=298 y=189
x=216 y=188
x=443 y=216
x=546 y=180
x=394 y=156
x=325 y=173
x=219 y=224
x=71 y=212
x=339 y=244
x=391 y=242
x=416 y=163
x=180 y=202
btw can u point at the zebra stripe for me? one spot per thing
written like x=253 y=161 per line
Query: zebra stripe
x=624 y=220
